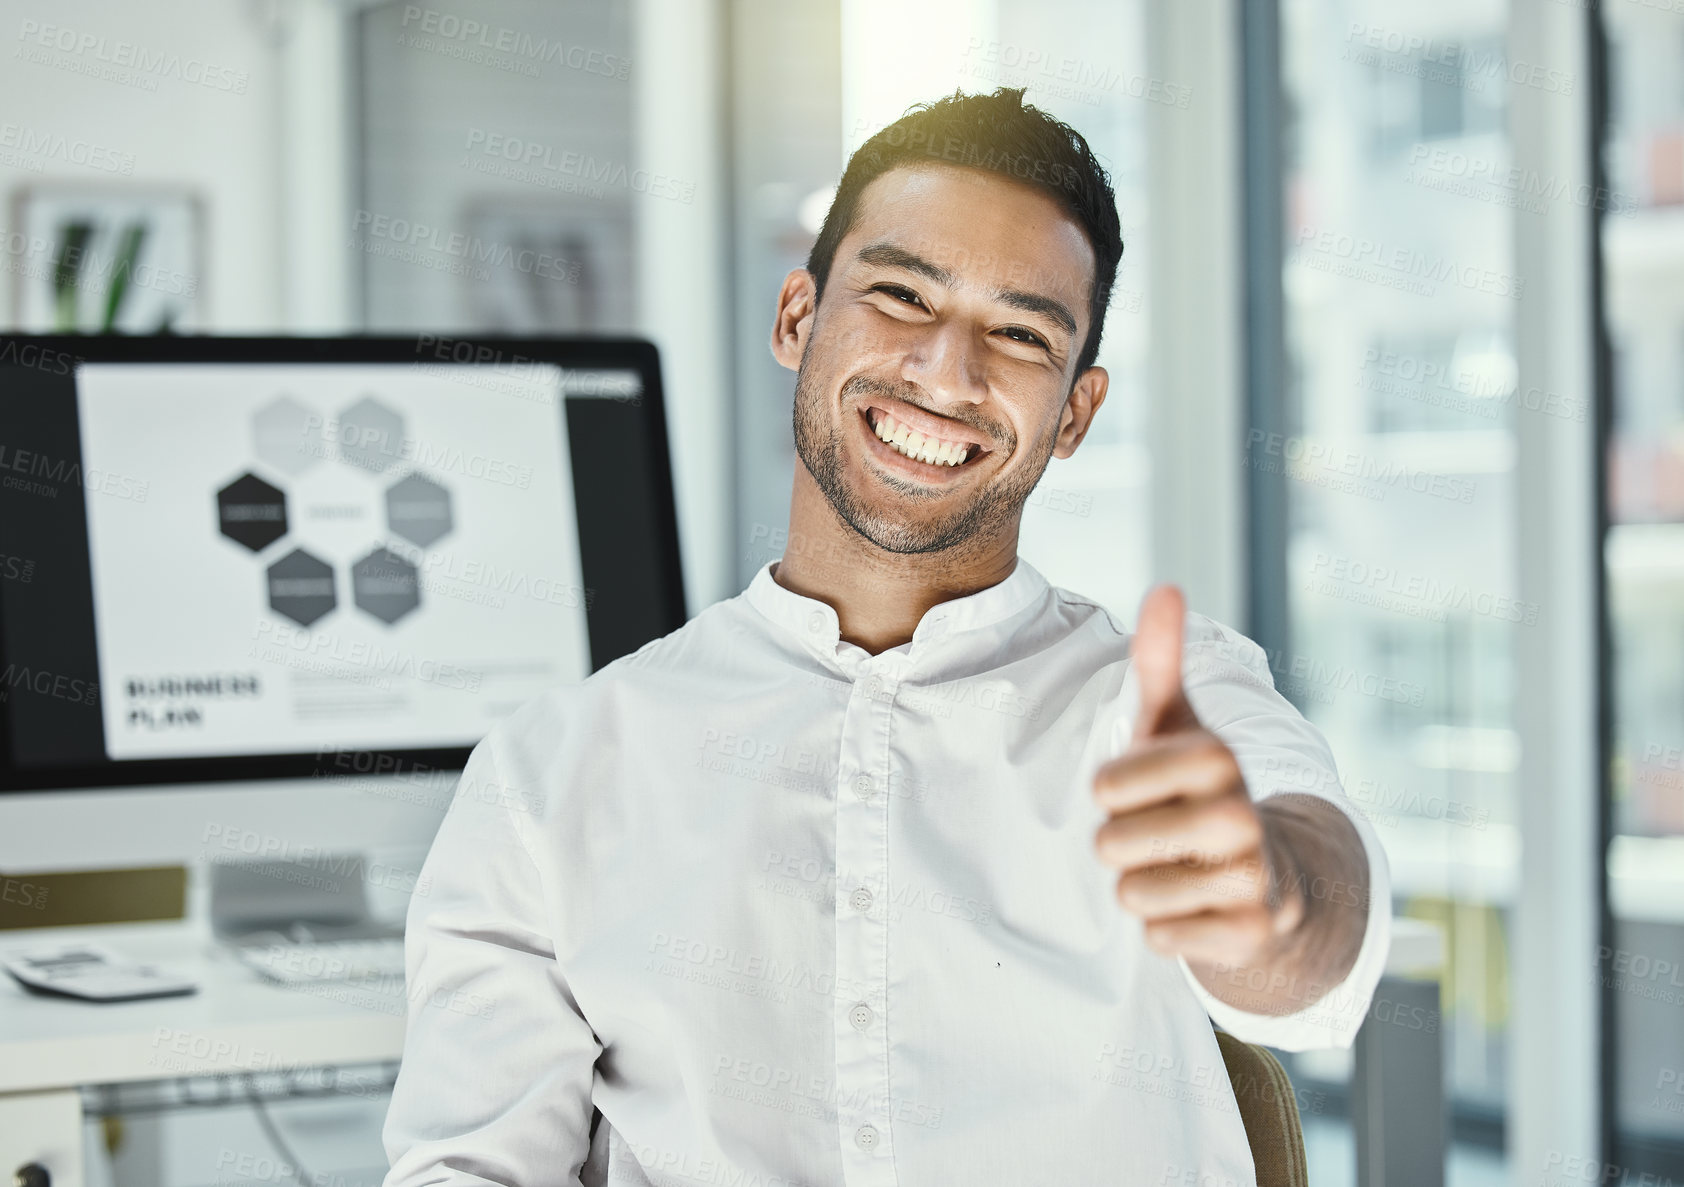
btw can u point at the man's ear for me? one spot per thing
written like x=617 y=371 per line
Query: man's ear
x=1079 y=409
x=798 y=303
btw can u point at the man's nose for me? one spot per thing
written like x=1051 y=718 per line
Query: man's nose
x=947 y=362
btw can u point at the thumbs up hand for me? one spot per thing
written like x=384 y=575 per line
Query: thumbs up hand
x=1196 y=860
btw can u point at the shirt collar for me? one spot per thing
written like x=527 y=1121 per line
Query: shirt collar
x=816 y=623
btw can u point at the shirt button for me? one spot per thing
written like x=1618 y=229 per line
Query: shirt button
x=861 y=1016
x=815 y=621
x=865 y=1137
x=861 y=899
x=863 y=786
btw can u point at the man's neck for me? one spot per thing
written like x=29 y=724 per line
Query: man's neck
x=879 y=596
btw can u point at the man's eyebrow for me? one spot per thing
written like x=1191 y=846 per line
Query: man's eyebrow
x=888 y=255
x=1036 y=303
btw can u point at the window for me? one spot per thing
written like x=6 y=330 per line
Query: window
x=1642 y=228
x=1396 y=463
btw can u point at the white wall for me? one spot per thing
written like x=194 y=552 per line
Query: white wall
x=635 y=99
x=163 y=128
x=436 y=102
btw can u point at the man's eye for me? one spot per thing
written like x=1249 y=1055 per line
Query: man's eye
x=899 y=293
x=1028 y=337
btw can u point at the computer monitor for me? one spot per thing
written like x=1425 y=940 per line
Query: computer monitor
x=278 y=569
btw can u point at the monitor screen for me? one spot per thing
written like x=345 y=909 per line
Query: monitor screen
x=231 y=558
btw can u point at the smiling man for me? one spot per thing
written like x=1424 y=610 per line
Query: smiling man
x=903 y=866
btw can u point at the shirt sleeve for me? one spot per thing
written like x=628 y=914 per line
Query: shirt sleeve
x=1228 y=683
x=498 y=1061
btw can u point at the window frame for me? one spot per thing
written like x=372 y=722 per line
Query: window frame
x=1559 y=1083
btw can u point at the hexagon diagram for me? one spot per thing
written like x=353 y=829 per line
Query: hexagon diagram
x=385 y=585
x=418 y=509
x=288 y=436
x=370 y=436
x=301 y=587
x=252 y=512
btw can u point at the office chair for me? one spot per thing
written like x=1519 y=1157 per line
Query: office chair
x=1269 y=1111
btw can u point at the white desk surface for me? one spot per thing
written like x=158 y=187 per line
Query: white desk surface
x=235 y=1022
x=239 y=1022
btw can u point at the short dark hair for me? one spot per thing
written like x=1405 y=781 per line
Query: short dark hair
x=1002 y=134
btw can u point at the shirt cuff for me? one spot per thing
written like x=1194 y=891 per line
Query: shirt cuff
x=1333 y=1019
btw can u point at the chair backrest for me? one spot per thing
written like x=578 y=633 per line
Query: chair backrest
x=1269 y=1111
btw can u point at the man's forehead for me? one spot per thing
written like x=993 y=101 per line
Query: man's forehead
x=1001 y=233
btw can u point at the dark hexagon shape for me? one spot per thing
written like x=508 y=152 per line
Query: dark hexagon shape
x=252 y=512
x=288 y=436
x=418 y=509
x=370 y=436
x=385 y=585
x=301 y=587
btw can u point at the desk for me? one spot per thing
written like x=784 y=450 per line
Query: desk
x=237 y=1022
x=50 y=1048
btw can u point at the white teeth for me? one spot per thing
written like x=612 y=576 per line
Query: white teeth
x=916 y=445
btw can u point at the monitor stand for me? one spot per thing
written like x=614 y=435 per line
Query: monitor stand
x=303 y=900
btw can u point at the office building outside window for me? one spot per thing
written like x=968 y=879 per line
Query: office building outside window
x=1642 y=237
x=1396 y=459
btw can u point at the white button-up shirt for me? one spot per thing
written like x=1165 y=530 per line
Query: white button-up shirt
x=753 y=906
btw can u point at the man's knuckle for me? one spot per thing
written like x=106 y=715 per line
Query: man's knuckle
x=1211 y=760
x=1234 y=821
x=1248 y=829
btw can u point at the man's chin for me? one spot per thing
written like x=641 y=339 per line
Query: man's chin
x=891 y=529
x=902 y=507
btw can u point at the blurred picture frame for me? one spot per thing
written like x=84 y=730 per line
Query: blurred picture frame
x=102 y=258
x=550 y=267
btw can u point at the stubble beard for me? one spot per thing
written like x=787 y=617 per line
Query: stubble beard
x=818 y=444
